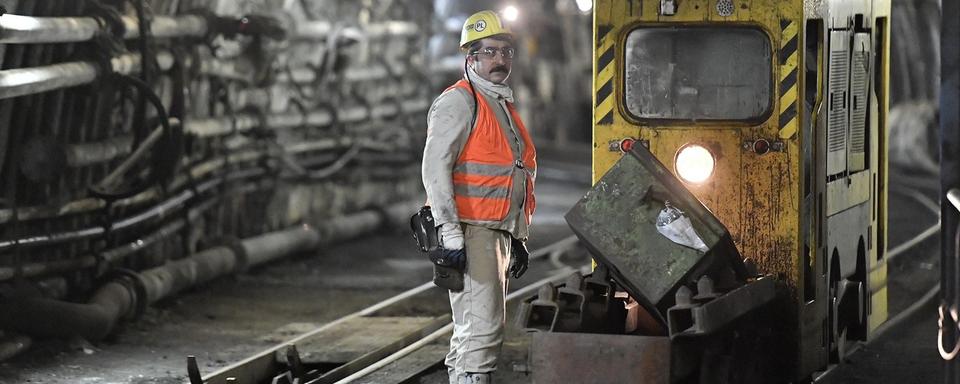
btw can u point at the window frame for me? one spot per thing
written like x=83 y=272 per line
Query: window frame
x=721 y=123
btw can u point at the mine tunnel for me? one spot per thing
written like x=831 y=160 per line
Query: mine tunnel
x=536 y=191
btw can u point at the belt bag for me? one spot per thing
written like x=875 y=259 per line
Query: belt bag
x=447 y=269
x=424 y=230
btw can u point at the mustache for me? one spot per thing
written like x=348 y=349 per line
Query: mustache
x=499 y=68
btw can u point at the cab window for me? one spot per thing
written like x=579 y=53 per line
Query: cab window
x=698 y=73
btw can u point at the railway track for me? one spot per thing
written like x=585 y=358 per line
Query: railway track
x=893 y=254
x=385 y=338
x=353 y=346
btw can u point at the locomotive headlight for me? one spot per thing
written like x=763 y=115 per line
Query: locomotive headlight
x=694 y=163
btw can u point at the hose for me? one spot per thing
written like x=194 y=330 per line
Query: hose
x=125 y=295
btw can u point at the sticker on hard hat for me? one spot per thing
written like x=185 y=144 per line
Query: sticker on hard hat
x=480 y=25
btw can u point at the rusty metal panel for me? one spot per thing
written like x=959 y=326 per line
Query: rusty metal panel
x=594 y=358
x=701 y=318
x=617 y=222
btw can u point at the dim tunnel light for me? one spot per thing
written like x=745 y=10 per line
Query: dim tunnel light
x=585 y=5
x=694 y=163
x=511 y=13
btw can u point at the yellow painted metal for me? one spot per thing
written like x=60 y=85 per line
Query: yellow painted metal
x=758 y=197
x=879 y=145
x=846 y=193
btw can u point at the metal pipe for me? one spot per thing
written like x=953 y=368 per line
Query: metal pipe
x=115 y=255
x=352 y=74
x=18 y=29
x=116 y=175
x=84 y=154
x=200 y=127
x=119 y=298
x=319 y=30
x=159 y=210
x=90 y=204
x=269 y=246
x=448 y=64
x=32 y=80
x=92 y=321
x=177 y=275
x=291 y=119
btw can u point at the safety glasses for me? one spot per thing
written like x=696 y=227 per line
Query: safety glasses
x=491 y=52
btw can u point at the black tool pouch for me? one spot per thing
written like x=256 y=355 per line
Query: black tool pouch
x=447 y=266
x=424 y=230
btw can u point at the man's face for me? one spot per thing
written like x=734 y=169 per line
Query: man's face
x=490 y=60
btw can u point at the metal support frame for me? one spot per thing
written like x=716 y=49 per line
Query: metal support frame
x=949 y=338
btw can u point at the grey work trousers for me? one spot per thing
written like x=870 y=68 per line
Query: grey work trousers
x=479 y=310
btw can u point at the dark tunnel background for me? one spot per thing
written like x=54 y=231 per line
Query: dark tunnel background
x=123 y=181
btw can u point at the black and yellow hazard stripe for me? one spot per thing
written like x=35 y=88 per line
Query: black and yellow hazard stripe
x=604 y=103
x=789 y=74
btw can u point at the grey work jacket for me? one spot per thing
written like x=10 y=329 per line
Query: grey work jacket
x=448 y=128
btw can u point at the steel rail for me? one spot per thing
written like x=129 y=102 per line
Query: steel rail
x=263 y=365
x=557 y=276
x=901 y=248
x=934 y=229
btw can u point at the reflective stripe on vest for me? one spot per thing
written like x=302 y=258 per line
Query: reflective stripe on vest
x=483 y=174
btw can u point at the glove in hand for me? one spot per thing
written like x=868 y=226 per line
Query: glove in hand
x=520 y=258
x=450 y=258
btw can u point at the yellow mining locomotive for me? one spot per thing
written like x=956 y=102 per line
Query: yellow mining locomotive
x=774 y=115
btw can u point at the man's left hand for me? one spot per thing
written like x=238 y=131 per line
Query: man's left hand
x=520 y=259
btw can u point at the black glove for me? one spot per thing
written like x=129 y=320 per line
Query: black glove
x=450 y=258
x=520 y=259
x=448 y=266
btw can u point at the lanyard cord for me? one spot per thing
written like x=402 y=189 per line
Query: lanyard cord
x=473 y=92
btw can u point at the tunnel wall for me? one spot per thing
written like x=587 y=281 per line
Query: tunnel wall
x=280 y=113
x=914 y=85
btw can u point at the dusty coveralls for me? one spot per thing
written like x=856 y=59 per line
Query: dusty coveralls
x=478 y=310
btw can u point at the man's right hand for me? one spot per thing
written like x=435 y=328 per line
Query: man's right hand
x=451 y=236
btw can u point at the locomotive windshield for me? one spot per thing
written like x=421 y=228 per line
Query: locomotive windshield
x=697 y=73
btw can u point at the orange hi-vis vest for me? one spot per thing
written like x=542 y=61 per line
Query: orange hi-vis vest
x=483 y=174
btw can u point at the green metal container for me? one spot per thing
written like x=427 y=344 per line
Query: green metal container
x=616 y=220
